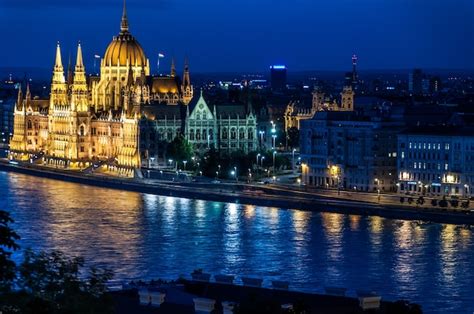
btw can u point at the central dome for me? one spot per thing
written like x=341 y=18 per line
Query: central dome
x=125 y=48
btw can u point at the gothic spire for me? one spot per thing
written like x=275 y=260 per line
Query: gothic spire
x=124 y=24
x=58 y=73
x=186 y=79
x=173 y=68
x=58 y=64
x=79 y=61
x=28 y=93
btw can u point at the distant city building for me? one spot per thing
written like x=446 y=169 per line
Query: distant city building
x=295 y=112
x=278 y=77
x=415 y=82
x=437 y=161
x=6 y=121
x=347 y=150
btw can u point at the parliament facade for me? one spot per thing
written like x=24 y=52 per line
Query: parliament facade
x=96 y=119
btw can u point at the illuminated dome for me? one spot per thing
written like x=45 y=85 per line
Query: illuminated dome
x=124 y=47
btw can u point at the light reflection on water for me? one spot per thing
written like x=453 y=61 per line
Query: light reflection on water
x=143 y=236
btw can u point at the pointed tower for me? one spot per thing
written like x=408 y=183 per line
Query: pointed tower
x=173 y=68
x=79 y=99
x=124 y=22
x=19 y=100
x=70 y=74
x=58 y=85
x=187 y=88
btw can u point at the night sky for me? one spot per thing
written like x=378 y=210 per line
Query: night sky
x=248 y=35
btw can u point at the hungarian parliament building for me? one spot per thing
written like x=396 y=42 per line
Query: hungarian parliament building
x=122 y=116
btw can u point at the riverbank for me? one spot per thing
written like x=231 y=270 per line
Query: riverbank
x=189 y=296
x=249 y=194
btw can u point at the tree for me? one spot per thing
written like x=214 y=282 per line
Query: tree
x=293 y=137
x=179 y=149
x=53 y=283
x=8 y=238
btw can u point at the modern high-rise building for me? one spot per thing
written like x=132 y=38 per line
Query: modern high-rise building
x=278 y=76
x=415 y=82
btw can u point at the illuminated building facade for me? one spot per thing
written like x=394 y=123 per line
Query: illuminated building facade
x=349 y=151
x=436 y=161
x=295 y=113
x=225 y=127
x=96 y=118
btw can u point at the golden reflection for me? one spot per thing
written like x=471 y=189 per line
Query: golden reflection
x=355 y=222
x=447 y=252
x=376 y=224
x=274 y=215
x=300 y=223
x=79 y=217
x=249 y=211
x=333 y=225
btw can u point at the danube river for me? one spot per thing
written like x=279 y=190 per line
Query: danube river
x=142 y=236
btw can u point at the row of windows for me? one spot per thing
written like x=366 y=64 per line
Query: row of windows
x=420 y=145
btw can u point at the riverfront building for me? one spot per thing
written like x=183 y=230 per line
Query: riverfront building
x=224 y=127
x=350 y=150
x=436 y=161
x=96 y=118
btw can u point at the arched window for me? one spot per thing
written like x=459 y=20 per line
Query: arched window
x=170 y=135
x=250 y=134
x=198 y=135
x=225 y=135
x=30 y=125
x=81 y=130
x=242 y=134
x=198 y=116
x=211 y=134
x=233 y=134
x=204 y=134
x=191 y=135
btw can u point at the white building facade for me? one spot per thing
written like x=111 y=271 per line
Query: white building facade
x=436 y=161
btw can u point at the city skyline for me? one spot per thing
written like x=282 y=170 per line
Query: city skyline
x=225 y=40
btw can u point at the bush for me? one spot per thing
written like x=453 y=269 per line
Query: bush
x=443 y=203
x=402 y=200
x=454 y=203
x=434 y=202
x=420 y=201
x=410 y=200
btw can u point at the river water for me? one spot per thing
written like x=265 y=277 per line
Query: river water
x=142 y=236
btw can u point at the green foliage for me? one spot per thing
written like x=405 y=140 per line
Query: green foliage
x=8 y=238
x=54 y=283
x=293 y=137
x=179 y=149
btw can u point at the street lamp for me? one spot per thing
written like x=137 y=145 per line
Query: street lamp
x=274 y=153
x=235 y=174
x=261 y=138
x=185 y=162
x=293 y=160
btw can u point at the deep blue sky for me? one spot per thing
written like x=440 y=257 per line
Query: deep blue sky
x=248 y=35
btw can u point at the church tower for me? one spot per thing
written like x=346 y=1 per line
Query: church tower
x=318 y=100
x=187 y=88
x=58 y=85
x=347 y=99
x=79 y=97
